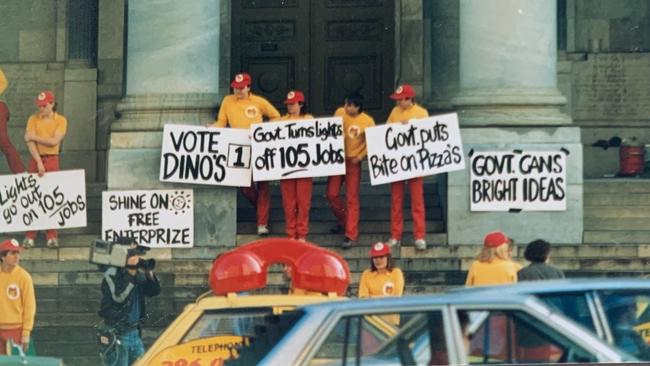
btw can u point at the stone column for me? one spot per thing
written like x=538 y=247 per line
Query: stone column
x=508 y=100
x=172 y=76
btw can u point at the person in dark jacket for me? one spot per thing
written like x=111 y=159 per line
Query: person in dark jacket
x=537 y=253
x=123 y=308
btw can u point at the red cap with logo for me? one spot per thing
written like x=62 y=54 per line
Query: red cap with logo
x=10 y=245
x=402 y=92
x=294 y=96
x=495 y=239
x=44 y=97
x=379 y=250
x=241 y=81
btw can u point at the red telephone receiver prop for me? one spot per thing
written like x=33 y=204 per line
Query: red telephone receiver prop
x=313 y=268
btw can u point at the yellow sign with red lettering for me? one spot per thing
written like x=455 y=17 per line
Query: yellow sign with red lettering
x=212 y=351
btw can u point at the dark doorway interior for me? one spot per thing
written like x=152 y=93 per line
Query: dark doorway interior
x=326 y=48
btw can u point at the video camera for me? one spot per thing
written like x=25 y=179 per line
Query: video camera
x=117 y=253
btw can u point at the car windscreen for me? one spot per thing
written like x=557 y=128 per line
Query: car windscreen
x=228 y=322
x=628 y=318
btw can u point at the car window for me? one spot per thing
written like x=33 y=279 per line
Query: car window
x=238 y=322
x=628 y=318
x=418 y=338
x=515 y=337
x=573 y=306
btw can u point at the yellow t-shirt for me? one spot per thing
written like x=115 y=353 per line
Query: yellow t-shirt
x=354 y=133
x=3 y=82
x=288 y=117
x=497 y=272
x=413 y=112
x=375 y=284
x=17 y=300
x=47 y=128
x=242 y=113
x=300 y=291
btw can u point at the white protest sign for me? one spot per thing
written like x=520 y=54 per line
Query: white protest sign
x=205 y=155
x=56 y=200
x=298 y=149
x=157 y=218
x=419 y=148
x=518 y=181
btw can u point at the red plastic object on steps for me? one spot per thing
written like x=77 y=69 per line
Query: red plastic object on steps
x=632 y=160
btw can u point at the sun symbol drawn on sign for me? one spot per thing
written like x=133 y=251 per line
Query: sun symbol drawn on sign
x=180 y=202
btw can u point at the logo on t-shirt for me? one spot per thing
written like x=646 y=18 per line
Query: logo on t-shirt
x=251 y=111
x=389 y=287
x=13 y=291
x=354 y=131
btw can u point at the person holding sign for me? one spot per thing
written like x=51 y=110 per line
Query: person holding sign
x=241 y=110
x=405 y=110
x=43 y=135
x=17 y=299
x=493 y=265
x=383 y=278
x=296 y=193
x=355 y=121
x=7 y=148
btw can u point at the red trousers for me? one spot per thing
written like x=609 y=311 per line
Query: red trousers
x=7 y=148
x=260 y=198
x=7 y=334
x=296 y=200
x=347 y=213
x=417 y=208
x=51 y=164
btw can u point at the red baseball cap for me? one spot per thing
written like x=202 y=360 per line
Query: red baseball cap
x=10 y=245
x=495 y=239
x=44 y=97
x=402 y=92
x=294 y=96
x=379 y=250
x=241 y=81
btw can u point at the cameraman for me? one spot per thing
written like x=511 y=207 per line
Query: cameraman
x=123 y=307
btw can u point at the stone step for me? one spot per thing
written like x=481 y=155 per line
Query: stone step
x=325 y=214
x=620 y=199
x=320 y=201
x=324 y=227
x=616 y=224
x=616 y=185
x=618 y=212
x=616 y=237
x=329 y=240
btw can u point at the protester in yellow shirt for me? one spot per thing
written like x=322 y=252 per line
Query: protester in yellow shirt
x=7 y=148
x=43 y=135
x=355 y=122
x=241 y=110
x=493 y=265
x=17 y=301
x=296 y=193
x=405 y=110
x=383 y=278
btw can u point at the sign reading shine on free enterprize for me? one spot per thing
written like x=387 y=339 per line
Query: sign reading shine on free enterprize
x=422 y=147
x=57 y=200
x=206 y=155
x=298 y=149
x=518 y=181
x=157 y=218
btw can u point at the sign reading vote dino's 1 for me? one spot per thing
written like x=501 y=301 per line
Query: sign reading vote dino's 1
x=158 y=218
x=206 y=155
x=56 y=200
x=298 y=149
x=518 y=180
x=419 y=148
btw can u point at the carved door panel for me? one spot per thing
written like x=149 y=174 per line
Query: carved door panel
x=326 y=48
x=270 y=41
x=355 y=47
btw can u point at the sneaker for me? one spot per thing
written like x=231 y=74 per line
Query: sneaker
x=28 y=243
x=392 y=242
x=52 y=243
x=262 y=230
x=337 y=229
x=420 y=244
x=348 y=243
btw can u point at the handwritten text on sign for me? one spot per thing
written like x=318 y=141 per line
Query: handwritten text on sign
x=205 y=155
x=56 y=200
x=518 y=180
x=298 y=149
x=420 y=148
x=159 y=218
